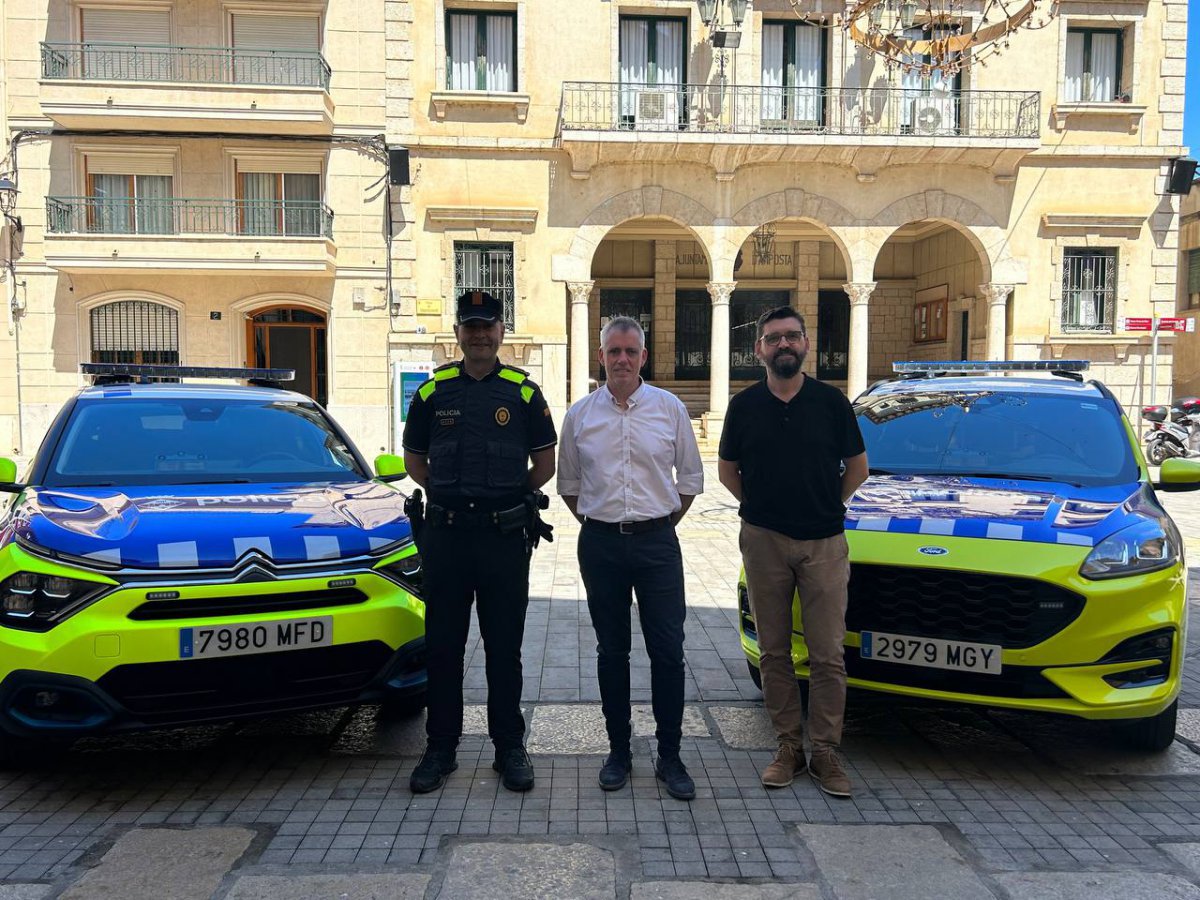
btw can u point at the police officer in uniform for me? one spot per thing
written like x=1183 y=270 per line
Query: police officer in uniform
x=470 y=436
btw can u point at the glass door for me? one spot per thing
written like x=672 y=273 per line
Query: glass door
x=744 y=309
x=291 y=339
x=693 y=335
x=637 y=303
x=833 y=335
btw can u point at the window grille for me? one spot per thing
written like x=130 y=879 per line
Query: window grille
x=1193 y=277
x=1089 y=289
x=486 y=267
x=135 y=331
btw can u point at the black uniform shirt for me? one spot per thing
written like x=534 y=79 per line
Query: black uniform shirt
x=790 y=457
x=478 y=435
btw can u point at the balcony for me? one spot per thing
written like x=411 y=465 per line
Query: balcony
x=726 y=127
x=127 y=86
x=270 y=237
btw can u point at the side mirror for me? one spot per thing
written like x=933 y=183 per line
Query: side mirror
x=390 y=467
x=1180 y=472
x=8 y=476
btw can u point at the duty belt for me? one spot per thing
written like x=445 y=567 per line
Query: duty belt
x=503 y=519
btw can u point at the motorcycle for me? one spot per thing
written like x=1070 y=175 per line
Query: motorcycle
x=1174 y=431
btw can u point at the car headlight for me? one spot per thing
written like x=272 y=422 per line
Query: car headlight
x=406 y=572
x=34 y=601
x=1146 y=546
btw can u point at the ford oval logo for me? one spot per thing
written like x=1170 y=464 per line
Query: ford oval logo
x=933 y=551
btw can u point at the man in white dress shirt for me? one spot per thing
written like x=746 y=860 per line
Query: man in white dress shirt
x=628 y=469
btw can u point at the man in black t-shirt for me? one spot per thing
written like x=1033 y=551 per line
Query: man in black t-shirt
x=792 y=454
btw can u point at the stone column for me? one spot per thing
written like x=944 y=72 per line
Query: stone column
x=581 y=357
x=718 y=391
x=860 y=331
x=996 y=296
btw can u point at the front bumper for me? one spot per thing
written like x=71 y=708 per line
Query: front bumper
x=1063 y=673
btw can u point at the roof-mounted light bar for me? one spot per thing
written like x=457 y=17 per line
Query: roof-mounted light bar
x=970 y=367
x=117 y=373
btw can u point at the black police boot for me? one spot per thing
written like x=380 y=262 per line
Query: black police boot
x=431 y=771
x=515 y=768
x=615 y=772
x=672 y=772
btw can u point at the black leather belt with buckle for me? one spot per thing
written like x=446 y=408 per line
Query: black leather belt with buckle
x=630 y=527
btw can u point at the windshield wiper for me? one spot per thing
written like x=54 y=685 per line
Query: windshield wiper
x=1004 y=476
x=217 y=481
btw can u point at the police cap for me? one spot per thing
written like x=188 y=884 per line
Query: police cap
x=478 y=305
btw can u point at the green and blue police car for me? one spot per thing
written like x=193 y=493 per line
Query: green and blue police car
x=1009 y=550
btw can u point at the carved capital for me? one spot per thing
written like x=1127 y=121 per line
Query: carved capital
x=995 y=294
x=859 y=292
x=720 y=291
x=581 y=291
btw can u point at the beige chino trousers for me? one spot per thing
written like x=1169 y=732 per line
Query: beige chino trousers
x=778 y=566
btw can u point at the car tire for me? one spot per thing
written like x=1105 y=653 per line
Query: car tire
x=1153 y=734
x=403 y=706
x=755 y=674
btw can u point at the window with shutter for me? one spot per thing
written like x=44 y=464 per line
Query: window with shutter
x=1193 y=277
x=125 y=44
x=274 y=49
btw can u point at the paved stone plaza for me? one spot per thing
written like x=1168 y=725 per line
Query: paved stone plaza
x=950 y=802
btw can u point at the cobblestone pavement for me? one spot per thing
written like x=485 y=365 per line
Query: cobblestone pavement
x=950 y=801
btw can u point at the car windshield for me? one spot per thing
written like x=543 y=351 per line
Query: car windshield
x=202 y=440
x=997 y=433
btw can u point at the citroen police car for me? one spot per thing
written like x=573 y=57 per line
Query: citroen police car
x=187 y=552
x=1008 y=549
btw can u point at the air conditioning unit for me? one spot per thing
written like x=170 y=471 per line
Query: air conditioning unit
x=934 y=114
x=657 y=110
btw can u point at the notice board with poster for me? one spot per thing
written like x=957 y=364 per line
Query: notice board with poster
x=929 y=314
x=406 y=378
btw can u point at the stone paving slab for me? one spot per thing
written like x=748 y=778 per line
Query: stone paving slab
x=533 y=871
x=579 y=728
x=1187 y=854
x=187 y=863
x=745 y=727
x=1095 y=886
x=899 y=862
x=24 y=891
x=708 y=890
x=325 y=887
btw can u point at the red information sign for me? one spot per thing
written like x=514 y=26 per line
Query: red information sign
x=1139 y=324
x=1173 y=323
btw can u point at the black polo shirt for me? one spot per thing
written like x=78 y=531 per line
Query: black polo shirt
x=790 y=457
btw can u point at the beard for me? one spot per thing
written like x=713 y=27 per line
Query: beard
x=786 y=363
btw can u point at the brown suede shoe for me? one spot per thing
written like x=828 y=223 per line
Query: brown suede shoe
x=828 y=772
x=787 y=764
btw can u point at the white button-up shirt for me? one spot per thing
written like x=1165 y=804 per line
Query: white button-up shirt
x=619 y=462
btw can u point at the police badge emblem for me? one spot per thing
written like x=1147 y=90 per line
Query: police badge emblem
x=503 y=415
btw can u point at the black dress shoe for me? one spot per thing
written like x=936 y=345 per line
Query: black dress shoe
x=515 y=768
x=672 y=772
x=614 y=774
x=431 y=771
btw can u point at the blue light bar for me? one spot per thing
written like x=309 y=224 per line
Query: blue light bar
x=130 y=371
x=967 y=366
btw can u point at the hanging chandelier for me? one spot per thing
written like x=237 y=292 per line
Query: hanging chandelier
x=927 y=36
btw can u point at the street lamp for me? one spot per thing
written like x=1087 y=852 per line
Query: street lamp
x=724 y=32
x=8 y=195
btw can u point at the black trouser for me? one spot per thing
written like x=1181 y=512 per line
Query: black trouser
x=462 y=565
x=614 y=566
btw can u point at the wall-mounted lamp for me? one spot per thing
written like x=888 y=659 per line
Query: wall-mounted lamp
x=8 y=201
x=724 y=20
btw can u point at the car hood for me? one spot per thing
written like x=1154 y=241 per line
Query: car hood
x=993 y=508
x=209 y=526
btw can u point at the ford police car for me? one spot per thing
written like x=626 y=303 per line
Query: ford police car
x=1008 y=549
x=181 y=553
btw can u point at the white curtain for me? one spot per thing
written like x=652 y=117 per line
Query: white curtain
x=806 y=93
x=110 y=205
x=302 y=204
x=772 y=72
x=154 y=210
x=499 y=54
x=258 y=205
x=669 y=52
x=1104 y=67
x=1073 y=83
x=912 y=81
x=462 y=53
x=634 y=62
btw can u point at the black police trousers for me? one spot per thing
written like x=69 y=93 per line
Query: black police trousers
x=614 y=567
x=461 y=566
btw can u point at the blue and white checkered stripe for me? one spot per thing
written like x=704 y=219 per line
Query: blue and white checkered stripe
x=191 y=554
x=1037 y=532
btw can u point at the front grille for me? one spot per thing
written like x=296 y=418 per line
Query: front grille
x=207 y=607
x=240 y=685
x=960 y=606
x=1014 y=681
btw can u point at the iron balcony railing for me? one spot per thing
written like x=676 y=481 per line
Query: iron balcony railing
x=204 y=65
x=737 y=109
x=242 y=218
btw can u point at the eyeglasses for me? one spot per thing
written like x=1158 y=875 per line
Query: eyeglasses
x=792 y=337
